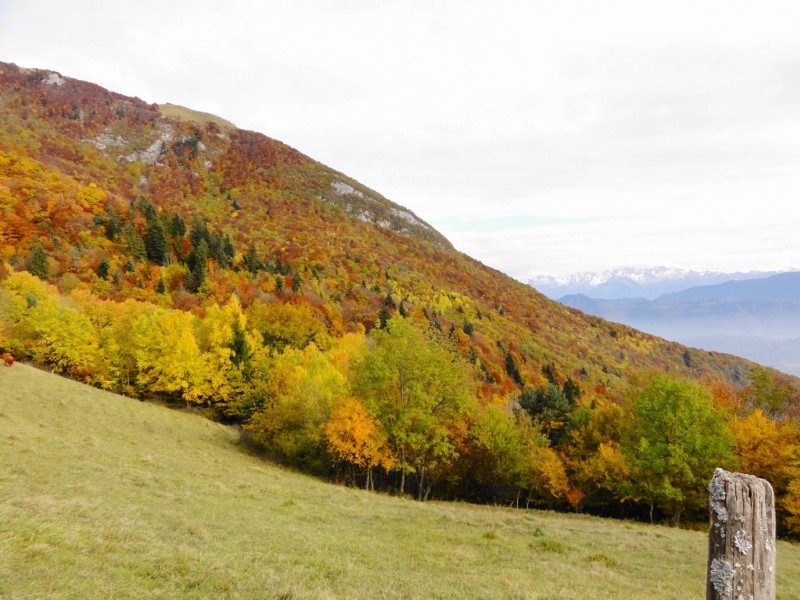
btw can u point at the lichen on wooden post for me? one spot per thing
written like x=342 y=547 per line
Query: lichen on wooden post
x=741 y=538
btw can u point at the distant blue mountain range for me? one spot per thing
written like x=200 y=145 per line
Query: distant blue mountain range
x=783 y=287
x=758 y=318
x=631 y=282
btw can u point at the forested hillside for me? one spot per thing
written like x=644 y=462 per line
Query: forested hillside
x=168 y=255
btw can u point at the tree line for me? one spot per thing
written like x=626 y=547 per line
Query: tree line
x=398 y=409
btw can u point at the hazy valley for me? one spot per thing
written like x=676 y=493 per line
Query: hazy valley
x=758 y=318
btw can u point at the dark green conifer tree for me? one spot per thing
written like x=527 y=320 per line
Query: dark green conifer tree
x=383 y=316
x=241 y=351
x=110 y=222
x=155 y=244
x=102 y=269
x=40 y=265
x=177 y=227
x=198 y=232
x=512 y=369
x=252 y=262
x=571 y=390
x=132 y=241
x=550 y=406
x=147 y=209
x=226 y=251
x=197 y=263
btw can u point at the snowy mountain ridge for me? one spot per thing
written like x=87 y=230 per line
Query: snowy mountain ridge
x=635 y=282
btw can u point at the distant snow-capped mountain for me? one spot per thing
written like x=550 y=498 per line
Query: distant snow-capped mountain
x=758 y=318
x=632 y=282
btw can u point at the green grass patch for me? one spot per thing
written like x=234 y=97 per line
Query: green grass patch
x=602 y=559
x=548 y=545
x=106 y=497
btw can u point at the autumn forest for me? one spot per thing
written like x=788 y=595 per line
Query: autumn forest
x=168 y=256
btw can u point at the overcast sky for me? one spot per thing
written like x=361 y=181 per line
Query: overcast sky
x=541 y=137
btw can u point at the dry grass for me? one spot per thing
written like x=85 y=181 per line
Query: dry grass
x=194 y=116
x=106 y=497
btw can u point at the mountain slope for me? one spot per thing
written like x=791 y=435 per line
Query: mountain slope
x=781 y=354
x=76 y=159
x=104 y=495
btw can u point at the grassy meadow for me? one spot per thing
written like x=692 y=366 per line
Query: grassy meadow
x=107 y=497
x=194 y=116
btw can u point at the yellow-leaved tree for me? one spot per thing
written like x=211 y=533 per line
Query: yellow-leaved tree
x=598 y=467
x=52 y=329
x=791 y=503
x=226 y=347
x=287 y=325
x=301 y=388
x=543 y=473
x=766 y=448
x=771 y=450
x=168 y=358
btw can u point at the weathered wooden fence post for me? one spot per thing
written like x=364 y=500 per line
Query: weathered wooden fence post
x=741 y=538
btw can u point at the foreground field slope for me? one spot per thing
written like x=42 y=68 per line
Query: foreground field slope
x=104 y=496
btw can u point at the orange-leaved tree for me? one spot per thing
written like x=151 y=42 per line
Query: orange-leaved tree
x=355 y=437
